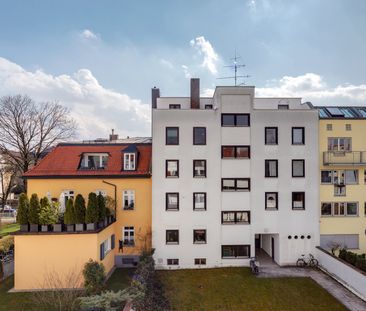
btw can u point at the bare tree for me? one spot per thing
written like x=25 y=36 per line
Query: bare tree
x=8 y=178
x=28 y=129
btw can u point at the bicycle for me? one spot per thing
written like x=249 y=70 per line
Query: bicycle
x=307 y=261
x=254 y=265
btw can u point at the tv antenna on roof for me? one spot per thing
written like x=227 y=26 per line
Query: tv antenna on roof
x=235 y=66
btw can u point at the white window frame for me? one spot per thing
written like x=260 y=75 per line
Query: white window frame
x=128 y=164
x=128 y=195
x=338 y=139
x=85 y=161
x=107 y=246
x=345 y=209
x=101 y=191
x=128 y=235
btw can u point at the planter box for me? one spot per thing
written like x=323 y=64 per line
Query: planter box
x=70 y=228
x=24 y=228
x=79 y=227
x=34 y=228
x=45 y=228
x=57 y=228
x=91 y=226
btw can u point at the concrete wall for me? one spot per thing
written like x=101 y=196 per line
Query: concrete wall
x=350 y=277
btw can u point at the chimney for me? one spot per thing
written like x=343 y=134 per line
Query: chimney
x=113 y=136
x=155 y=94
x=195 y=93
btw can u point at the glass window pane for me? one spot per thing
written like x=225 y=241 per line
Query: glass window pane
x=242 y=152
x=326 y=209
x=242 y=251
x=228 y=152
x=199 y=168
x=270 y=168
x=352 y=209
x=242 y=184
x=326 y=177
x=172 y=136
x=242 y=120
x=242 y=217
x=199 y=236
x=199 y=201
x=172 y=169
x=228 y=120
x=298 y=200
x=227 y=251
x=271 y=200
x=298 y=168
x=351 y=176
x=228 y=184
x=172 y=201
x=271 y=136
x=228 y=217
x=298 y=136
x=199 y=136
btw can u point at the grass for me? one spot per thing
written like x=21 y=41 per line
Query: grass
x=8 y=228
x=13 y=301
x=120 y=279
x=237 y=289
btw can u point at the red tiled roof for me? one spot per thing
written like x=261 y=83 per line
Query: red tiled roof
x=64 y=160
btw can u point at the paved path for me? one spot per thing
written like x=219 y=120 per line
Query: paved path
x=347 y=298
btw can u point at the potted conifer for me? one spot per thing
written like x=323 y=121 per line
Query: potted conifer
x=22 y=215
x=47 y=215
x=91 y=214
x=58 y=226
x=34 y=209
x=101 y=211
x=79 y=213
x=69 y=217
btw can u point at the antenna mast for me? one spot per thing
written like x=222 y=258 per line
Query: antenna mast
x=235 y=66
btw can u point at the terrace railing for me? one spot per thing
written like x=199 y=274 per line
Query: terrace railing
x=344 y=158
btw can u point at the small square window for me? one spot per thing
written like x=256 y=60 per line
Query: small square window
x=339 y=190
x=329 y=127
x=172 y=136
x=298 y=168
x=172 y=168
x=348 y=127
x=271 y=200
x=283 y=107
x=298 y=200
x=172 y=262
x=172 y=236
x=298 y=135
x=228 y=184
x=199 y=201
x=352 y=208
x=199 y=136
x=271 y=135
x=228 y=151
x=271 y=168
x=242 y=184
x=199 y=168
x=242 y=120
x=200 y=261
x=326 y=209
x=208 y=106
x=172 y=201
x=326 y=177
x=199 y=236
x=174 y=106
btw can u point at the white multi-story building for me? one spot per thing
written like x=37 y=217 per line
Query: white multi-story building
x=232 y=173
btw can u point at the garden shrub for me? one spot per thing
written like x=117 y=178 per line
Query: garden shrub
x=91 y=214
x=354 y=259
x=79 y=209
x=94 y=277
x=47 y=215
x=69 y=216
x=101 y=207
x=6 y=244
x=23 y=209
x=34 y=209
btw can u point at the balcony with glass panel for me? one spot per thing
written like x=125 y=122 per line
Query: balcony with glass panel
x=344 y=157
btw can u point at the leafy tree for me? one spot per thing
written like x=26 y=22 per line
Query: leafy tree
x=69 y=217
x=101 y=207
x=47 y=215
x=34 y=209
x=79 y=209
x=23 y=209
x=94 y=277
x=91 y=214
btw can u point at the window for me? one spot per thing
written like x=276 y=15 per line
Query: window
x=235 y=152
x=228 y=119
x=339 y=144
x=67 y=194
x=329 y=127
x=208 y=106
x=283 y=107
x=172 y=236
x=352 y=209
x=339 y=209
x=199 y=168
x=298 y=168
x=128 y=199
x=271 y=136
x=348 y=127
x=171 y=168
x=105 y=248
x=94 y=161
x=199 y=201
x=199 y=136
x=235 y=217
x=174 y=106
x=298 y=135
x=298 y=200
x=200 y=261
x=129 y=236
x=235 y=184
x=172 y=201
x=271 y=168
x=339 y=177
x=271 y=200
x=351 y=177
x=326 y=177
x=199 y=236
x=172 y=262
x=129 y=163
x=235 y=251
x=172 y=136
x=102 y=192
x=326 y=209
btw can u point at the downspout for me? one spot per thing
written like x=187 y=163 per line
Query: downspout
x=115 y=196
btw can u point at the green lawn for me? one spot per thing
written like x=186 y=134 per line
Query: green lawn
x=237 y=289
x=5 y=229
x=120 y=279
x=13 y=301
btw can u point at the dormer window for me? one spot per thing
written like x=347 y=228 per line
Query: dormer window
x=94 y=161
x=129 y=161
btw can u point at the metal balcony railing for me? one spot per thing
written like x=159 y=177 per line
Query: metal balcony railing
x=344 y=158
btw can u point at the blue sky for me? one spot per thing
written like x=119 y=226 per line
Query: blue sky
x=100 y=58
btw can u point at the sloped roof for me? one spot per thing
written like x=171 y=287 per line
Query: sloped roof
x=342 y=112
x=64 y=161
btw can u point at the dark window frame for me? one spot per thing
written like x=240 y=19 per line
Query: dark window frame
x=303 y=167
x=208 y=106
x=265 y=135
x=166 y=168
x=303 y=135
x=175 y=106
x=235 y=151
x=200 y=261
x=166 y=201
x=235 y=247
x=194 y=201
x=194 y=137
x=265 y=201
x=200 y=176
x=235 y=119
x=265 y=168
x=172 y=261
x=235 y=184
x=199 y=242
x=166 y=237
x=236 y=222
x=292 y=199
x=166 y=135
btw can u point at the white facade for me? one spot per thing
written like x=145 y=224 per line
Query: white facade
x=263 y=224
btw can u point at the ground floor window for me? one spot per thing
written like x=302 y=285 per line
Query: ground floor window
x=172 y=262
x=129 y=236
x=235 y=251
x=200 y=261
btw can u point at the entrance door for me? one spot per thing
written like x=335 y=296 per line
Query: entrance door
x=272 y=247
x=258 y=242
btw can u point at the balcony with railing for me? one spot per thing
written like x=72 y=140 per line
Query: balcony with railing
x=344 y=157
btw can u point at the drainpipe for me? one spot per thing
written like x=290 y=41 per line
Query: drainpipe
x=115 y=196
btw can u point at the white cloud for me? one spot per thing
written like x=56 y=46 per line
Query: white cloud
x=166 y=63
x=187 y=74
x=210 y=57
x=87 y=34
x=96 y=109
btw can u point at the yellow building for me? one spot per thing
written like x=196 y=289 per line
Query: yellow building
x=120 y=170
x=342 y=141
